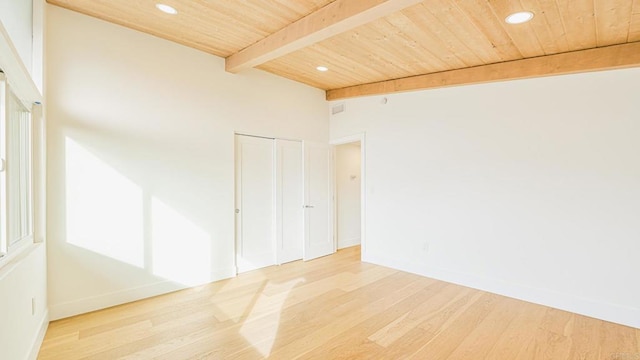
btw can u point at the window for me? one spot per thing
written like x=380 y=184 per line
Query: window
x=16 y=172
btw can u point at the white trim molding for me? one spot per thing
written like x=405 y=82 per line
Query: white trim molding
x=37 y=342
x=88 y=304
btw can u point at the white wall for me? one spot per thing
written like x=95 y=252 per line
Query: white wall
x=23 y=278
x=525 y=188
x=347 y=160
x=17 y=19
x=141 y=159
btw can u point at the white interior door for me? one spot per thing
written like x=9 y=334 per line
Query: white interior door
x=318 y=240
x=255 y=214
x=289 y=201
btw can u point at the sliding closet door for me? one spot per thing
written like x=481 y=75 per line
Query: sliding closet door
x=289 y=201
x=255 y=210
x=282 y=202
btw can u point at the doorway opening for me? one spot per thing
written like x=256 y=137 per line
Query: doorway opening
x=349 y=192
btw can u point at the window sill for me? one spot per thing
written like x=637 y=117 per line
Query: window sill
x=12 y=260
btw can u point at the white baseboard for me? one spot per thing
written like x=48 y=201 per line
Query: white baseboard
x=85 y=305
x=342 y=244
x=37 y=342
x=604 y=311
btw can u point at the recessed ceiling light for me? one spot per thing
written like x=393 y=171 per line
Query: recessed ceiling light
x=322 y=68
x=167 y=9
x=519 y=17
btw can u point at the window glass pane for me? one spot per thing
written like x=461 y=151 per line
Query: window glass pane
x=18 y=171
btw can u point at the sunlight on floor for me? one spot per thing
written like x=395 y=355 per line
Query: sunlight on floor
x=260 y=328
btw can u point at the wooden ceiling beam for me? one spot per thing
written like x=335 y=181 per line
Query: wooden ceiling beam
x=333 y=19
x=598 y=59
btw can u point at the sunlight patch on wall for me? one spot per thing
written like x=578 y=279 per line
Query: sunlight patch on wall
x=104 y=209
x=181 y=251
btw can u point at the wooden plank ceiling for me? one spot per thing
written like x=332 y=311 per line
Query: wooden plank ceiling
x=390 y=45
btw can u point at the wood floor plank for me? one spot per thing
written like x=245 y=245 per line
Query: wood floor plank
x=481 y=340
x=335 y=307
x=354 y=342
x=447 y=341
x=365 y=306
x=416 y=316
x=552 y=339
x=520 y=331
x=615 y=343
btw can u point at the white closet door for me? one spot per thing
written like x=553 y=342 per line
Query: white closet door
x=289 y=201
x=318 y=240
x=255 y=213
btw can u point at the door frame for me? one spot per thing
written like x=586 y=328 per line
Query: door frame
x=360 y=137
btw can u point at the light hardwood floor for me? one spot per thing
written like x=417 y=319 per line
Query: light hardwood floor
x=336 y=308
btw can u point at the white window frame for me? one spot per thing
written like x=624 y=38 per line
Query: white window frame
x=7 y=246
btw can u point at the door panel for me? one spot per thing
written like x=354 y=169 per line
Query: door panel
x=318 y=241
x=255 y=245
x=289 y=201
